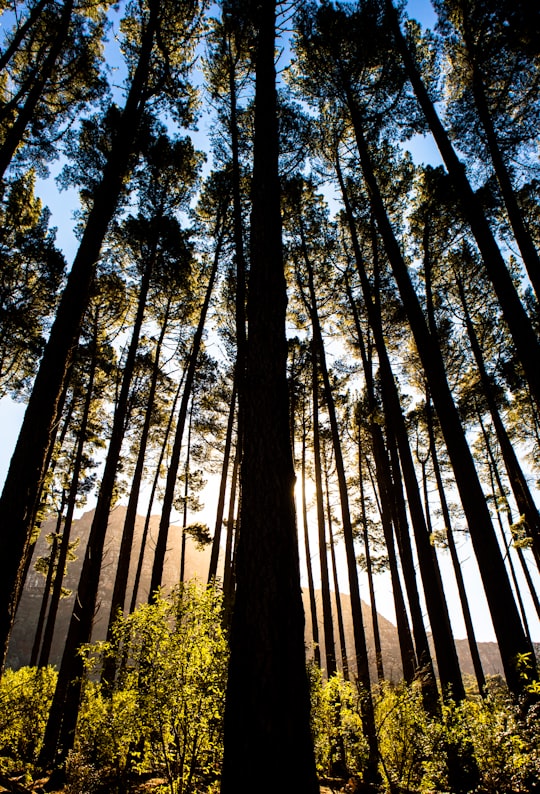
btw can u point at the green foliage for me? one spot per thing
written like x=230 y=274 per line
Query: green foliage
x=165 y=710
x=25 y=698
x=489 y=745
x=340 y=745
x=401 y=729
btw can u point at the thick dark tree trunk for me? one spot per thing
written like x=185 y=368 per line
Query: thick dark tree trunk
x=267 y=708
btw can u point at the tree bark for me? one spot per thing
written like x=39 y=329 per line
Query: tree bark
x=328 y=619
x=267 y=706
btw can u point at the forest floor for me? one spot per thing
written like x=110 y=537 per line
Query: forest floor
x=15 y=786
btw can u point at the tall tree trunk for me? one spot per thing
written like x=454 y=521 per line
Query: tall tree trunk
x=328 y=620
x=307 y=545
x=186 y=495
x=506 y=622
x=231 y=539
x=522 y=236
x=497 y=487
x=118 y=597
x=369 y=568
x=521 y=329
x=220 y=509
x=60 y=730
x=71 y=506
x=467 y=618
x=27 y=468
x=172 y=473
x=135 y=595
x=360 y=644
x=267 y=708
x=337 y=592
x=53 y=564
x=384 y=480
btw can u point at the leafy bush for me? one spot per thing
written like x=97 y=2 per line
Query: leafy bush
x=25 y=698
x=485 y=745
x=340 y=746
x=164 y=711
x=402 y=726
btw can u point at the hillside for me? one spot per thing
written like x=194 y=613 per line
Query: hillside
x=196 y=566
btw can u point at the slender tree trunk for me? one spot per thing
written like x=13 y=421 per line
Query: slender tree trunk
x=522 y=236
x=230 y=542
x=186 y=495
x=128 y=532
x=497 y=486
x=267 y=706
x=394 y=420
x=307 y=545
x=360 y=645
x=118 y=597
x=143 y=548
x=328 y=620
x=172 y=474
x=27 y=468
x=48 y=585
x=70 y=511
x=369 y=568
x=409 y=663
x=216 y=543
x=508 y=629
x=337 y=592
x=384 y=479
x=467 y=618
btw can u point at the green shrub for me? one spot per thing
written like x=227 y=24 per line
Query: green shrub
x=165 y=709
x=25 y=698
x=340 y=746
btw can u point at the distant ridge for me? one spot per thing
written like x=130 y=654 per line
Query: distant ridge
x=197 y=562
